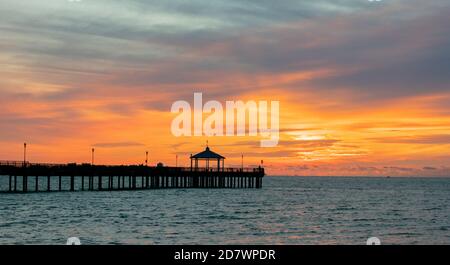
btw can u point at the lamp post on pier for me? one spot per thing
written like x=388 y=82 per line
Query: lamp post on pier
x=24 y=154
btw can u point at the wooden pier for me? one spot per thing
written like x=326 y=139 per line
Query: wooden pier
x=27 y=177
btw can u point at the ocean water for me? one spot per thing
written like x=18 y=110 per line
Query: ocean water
x=287 y=210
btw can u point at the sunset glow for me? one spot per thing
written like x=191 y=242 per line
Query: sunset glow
x=364 y=89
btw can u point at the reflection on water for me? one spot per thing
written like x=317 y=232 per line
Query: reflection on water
x=288 y=210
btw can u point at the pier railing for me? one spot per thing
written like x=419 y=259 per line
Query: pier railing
x=167 y=168
x=26 y=163
x=12 y=163
x=226 y=169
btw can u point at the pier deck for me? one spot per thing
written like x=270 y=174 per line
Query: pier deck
x=28 y=177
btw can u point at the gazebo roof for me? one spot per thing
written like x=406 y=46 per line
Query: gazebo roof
x=207 y=154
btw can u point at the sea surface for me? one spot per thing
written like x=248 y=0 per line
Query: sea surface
x=287 y=210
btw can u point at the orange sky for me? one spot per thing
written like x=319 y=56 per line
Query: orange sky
x=363 y=90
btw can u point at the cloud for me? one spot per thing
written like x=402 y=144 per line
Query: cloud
x=262 y=154
x=155 y=47
x=362 y=72
x=347 y=170
x=118 y=144
x=421 y=139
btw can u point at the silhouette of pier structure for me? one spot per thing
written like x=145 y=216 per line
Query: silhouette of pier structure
x=33 y=177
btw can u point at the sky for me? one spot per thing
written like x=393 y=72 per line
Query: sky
x=364 y=87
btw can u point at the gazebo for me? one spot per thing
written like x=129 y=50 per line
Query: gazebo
x=207 y=156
